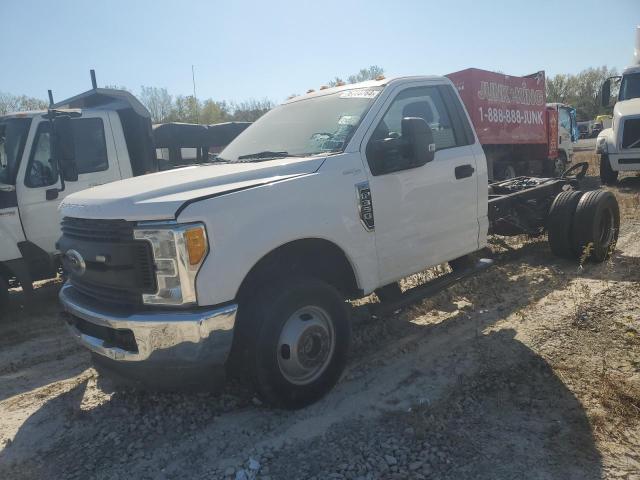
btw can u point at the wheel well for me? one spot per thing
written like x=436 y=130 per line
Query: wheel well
x=310 y=257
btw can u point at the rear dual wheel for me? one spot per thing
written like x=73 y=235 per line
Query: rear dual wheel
x=584 y=225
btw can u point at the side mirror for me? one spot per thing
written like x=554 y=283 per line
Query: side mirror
x=421 y=148
x=64 y=151
x=605 y=93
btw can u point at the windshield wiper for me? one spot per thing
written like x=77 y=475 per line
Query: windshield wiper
x=265 y=155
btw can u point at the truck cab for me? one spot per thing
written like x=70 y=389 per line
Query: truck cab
x=111 y=140
x=619 y=146
x=568 y=134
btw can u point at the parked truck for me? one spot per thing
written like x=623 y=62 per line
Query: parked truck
x=112 y=140
x=619 y=146
x=519 y=132
x=247 y=263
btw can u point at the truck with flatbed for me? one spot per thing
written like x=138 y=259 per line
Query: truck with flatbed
x=246 y=265
x=619 y=145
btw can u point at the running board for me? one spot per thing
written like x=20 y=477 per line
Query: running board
x=429 y=288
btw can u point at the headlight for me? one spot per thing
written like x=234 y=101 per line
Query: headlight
x=601 y=145
x=178 y=252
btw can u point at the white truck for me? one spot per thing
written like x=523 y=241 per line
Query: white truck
x=111 y=140
x=619 y=146
x=248 y=262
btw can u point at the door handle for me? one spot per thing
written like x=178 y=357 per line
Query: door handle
x=464 y=171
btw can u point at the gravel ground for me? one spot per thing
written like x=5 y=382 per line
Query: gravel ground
x=529 y=370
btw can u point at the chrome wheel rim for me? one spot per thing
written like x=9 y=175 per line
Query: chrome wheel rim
x=306 y=345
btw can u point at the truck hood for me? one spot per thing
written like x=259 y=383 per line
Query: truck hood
x=627 y=108
x=159 y=196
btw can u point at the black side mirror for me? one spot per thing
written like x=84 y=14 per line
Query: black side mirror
x=64 y=147
x=421 y=148
x=605 y=93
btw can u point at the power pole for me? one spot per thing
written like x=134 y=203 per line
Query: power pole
x=195 y=98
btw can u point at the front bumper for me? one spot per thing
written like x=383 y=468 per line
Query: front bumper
x=172 y=338
x=625 y=162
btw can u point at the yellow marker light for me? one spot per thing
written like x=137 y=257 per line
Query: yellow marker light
x=340 y=84
x=380 y=77
x=196 y=244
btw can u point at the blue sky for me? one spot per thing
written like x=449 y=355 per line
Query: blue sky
x=271 y=48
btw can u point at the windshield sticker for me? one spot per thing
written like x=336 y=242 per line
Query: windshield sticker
x=360 y=93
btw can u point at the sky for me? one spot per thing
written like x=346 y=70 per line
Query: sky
x=272 y=49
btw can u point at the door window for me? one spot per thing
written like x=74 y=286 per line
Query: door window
x=422 y=102
x=90 y=152
x=564 y=118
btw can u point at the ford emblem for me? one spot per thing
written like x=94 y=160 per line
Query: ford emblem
x=75 y=262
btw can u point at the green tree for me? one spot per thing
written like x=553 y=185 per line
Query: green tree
x=370 y=73
x=158 y=102
x=19 y=103
x=582 y=91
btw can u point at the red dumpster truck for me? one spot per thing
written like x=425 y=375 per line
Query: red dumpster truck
x=520 y=133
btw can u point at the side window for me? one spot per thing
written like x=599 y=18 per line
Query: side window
x=41 y=171
x=90 y=150
x=423 y=102
x=564 y=118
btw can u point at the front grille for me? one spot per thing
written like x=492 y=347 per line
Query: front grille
x=119 y=269
x=631 y=133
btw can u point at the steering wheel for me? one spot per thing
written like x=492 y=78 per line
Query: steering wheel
x=582 y=166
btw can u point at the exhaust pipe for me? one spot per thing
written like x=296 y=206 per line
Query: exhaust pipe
x=94 y=84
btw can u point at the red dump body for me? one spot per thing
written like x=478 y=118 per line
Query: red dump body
x=505 y=110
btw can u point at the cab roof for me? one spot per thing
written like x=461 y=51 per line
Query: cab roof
x=383 y=82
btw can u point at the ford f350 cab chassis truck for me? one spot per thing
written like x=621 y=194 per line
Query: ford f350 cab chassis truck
x=331 y=196
x=619 y=146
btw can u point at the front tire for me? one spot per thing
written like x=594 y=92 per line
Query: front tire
x=299 y=341
x=607 y=175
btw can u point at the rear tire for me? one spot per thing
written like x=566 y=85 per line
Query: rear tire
x=462 y=263
x=607 y=175
x=505 y=171
x=596 y=225
x=560 y=221
x=299 y=341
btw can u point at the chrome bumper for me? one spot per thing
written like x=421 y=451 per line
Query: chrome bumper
x=175 y=337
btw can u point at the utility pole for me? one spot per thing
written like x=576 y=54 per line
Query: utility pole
x=195 y=98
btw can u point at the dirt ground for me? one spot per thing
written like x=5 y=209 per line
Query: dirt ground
x=529 y=370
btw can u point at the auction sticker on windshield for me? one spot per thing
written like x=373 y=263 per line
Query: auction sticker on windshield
x=360 y=93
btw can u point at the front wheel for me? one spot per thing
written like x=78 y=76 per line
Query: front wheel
x=607 y=175
x=299 y=341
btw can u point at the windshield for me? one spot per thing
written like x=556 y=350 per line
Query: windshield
x=13 y=135
x=313 y=126
x=630 y=87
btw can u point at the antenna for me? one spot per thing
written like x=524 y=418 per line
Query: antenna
x=94 y=83
x=50 y=98
x=195 y=98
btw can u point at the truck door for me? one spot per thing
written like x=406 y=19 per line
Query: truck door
x=96 y=162
x=429 y=214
